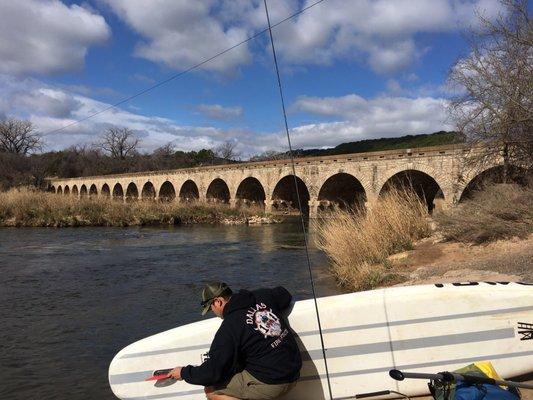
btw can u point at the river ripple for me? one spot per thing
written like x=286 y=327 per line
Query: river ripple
x=71 y=298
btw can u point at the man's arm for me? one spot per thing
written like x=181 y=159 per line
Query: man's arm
x=282 y=297
x=218 y=366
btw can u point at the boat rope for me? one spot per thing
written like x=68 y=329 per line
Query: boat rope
x=298 y=199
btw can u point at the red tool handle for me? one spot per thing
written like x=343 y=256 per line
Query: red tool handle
x=159 y=375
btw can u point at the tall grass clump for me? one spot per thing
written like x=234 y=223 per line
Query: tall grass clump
x=358 y=242
x=24 y=207
x=499 y=211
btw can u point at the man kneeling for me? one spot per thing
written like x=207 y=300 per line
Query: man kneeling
x=254 y=354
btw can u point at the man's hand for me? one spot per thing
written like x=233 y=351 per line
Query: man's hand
x=176 y=373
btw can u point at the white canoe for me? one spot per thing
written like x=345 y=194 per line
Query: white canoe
x=428 y=328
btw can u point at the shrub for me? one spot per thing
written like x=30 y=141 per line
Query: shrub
x=358 y=243
x=500 y=211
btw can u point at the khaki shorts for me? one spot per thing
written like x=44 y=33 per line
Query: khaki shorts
x=244 y=386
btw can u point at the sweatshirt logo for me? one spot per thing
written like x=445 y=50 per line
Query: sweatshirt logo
x=265 y=321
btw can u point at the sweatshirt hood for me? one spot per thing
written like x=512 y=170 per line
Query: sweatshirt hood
x=238 y=301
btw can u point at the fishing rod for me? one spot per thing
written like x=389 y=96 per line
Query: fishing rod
x=374 y=394
x=445 y=377
x=450 y=377
x=298 y=199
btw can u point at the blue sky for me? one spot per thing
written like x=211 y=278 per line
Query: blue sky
x=351 y=69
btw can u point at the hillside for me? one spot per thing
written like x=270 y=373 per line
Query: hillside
x=403 y=142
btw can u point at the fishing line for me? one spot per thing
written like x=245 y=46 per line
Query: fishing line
x=298 y=199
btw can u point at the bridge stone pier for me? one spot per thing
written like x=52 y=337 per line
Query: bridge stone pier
x=438 y=174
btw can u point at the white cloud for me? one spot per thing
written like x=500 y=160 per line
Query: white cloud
x=47 y=36
x=50 y=102
x=385 y=108
x=183 y=33
x=216 y=111
x=389 y=57
x=142 y=78
x=357 y=118
x=368 y=119
x=53 y=108
x=381 y=33
x=394 y=87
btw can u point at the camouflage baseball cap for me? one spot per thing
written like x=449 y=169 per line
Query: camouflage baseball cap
x=210 y=292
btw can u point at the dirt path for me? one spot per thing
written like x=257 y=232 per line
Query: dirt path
x=433 y=261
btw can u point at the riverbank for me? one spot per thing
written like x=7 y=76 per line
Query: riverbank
x=489 y=237
x=433 y=260
x=27 y=208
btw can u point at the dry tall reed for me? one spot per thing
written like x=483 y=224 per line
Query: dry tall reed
x=500 y=211
x=358 y=243
x=23 y=207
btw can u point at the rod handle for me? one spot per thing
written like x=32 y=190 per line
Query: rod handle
x=372 y=394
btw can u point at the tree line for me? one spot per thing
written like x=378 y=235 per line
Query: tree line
x=23 y=163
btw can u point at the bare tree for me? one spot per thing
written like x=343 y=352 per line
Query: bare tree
x=495 y=82
x=119 y=142
x=19 y=137
x=227 y=151
x=166 y=150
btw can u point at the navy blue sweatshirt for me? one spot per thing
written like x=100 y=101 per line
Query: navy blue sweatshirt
x=253 y=336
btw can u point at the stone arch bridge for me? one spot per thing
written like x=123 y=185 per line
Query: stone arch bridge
x=438 y=174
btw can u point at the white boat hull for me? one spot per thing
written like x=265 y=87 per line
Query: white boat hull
x=415 y=328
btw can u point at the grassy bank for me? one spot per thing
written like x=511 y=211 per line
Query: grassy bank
x=500 y=211
x=358 y=244
x=35 y=209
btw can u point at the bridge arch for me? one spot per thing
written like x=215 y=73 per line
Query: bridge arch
x=492 y=175
x=341 y=190
x=66 y=191
x=59 y=190
x=118 y=192
x=132 y=193
x=74 y=190
x=189 y=191
x=250 y=192
x=93 y=191
x=83 y=191
x=284 y=195
x=105 y=192
x=424 y=185
x=148 y=191
x=218 y=191
x=167 y=192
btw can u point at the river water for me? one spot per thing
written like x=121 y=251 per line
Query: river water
x=72 y=298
